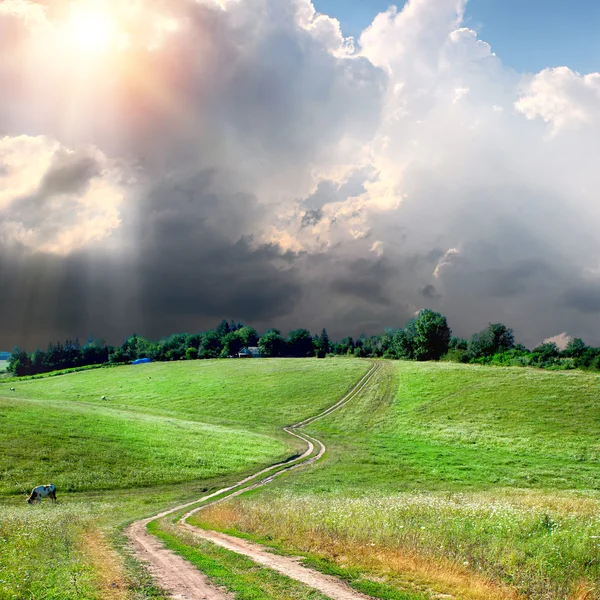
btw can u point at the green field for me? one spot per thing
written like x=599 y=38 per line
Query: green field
x=440 y=480
x=164 y=434
x=475 y=481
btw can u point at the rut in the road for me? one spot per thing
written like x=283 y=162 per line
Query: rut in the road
x=184 y=582
x=286 y=565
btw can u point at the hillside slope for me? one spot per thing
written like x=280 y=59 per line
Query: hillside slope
x=449 y=478
x=164 y=434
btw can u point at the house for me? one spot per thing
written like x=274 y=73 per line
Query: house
x=251 y=352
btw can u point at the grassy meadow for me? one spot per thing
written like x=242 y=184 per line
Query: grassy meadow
x=165 y=433
x=476 y=482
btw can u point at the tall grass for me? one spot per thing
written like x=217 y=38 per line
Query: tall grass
x=40 y=553
x=541 y=547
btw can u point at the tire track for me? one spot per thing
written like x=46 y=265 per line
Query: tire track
x=184 y=582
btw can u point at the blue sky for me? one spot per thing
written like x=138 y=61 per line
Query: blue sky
x=527 y=35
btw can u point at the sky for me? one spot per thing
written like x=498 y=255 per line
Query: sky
x=528 y=35
x=166 y=164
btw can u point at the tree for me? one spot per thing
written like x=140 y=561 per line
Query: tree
x=545 y=352
x=494 y=339
x=346 y=346
x=232 y=345
x=223 y=329
x=300 y=343
x=272 y=344
x=191 y=353
x=457 y=343
x=403 y=345
x=248 y=336
x=211 y=345
x=19 y=362
x=431 y=336
x=321 y=344
x=575 y=348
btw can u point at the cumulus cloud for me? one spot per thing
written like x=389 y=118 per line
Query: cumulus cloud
x=243 y=159
x=561 y=340
x=53 y=199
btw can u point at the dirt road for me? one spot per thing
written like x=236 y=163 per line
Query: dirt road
x=184 y=582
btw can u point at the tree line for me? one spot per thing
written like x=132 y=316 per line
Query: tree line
x=426 y=337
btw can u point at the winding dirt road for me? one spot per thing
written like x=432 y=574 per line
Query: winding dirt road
x=184 y=582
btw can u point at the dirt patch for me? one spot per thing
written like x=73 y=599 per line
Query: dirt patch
x=111 y=578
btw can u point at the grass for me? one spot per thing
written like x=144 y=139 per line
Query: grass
x=474 y=481
x=90 y=448
x=166 y=434
x=260 y=395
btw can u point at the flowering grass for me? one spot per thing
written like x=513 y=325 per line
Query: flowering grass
x=473 y=481
x=42 y=554
x=533 y=544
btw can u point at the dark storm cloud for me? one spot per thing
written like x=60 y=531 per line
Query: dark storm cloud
x=429 y=292
x=312 y=217
x=585 y=299
x=366 y=280
x=70 y=173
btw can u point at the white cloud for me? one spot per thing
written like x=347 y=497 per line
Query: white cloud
x=562 y=98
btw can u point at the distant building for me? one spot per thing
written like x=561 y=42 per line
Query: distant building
x=252 y=352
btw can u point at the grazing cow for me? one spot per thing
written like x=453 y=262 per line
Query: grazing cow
x=12 y=389
x=42 y=491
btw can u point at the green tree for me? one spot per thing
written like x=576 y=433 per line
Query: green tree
x=211 y=345
x=232 y=345
x=19 y=362
x=191 y=353
x=223 y=328
x=321 y=344
x=248 y=336
x=272 y=344
x=575 y=348
x=494 y=339
x=431 y=335
x=300 y=343
x=403 y=342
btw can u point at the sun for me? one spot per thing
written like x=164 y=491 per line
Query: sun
x=91 y=27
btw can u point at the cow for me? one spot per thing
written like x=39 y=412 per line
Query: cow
x=12 y=389
x=42 y=491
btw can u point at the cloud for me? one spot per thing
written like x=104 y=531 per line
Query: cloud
x=430 y=292
x=562 y=98
x=561 y=340
x=243 y=159
x=53 y=199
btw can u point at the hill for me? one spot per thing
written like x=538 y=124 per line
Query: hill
x=165 y=432
x=471 y=481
